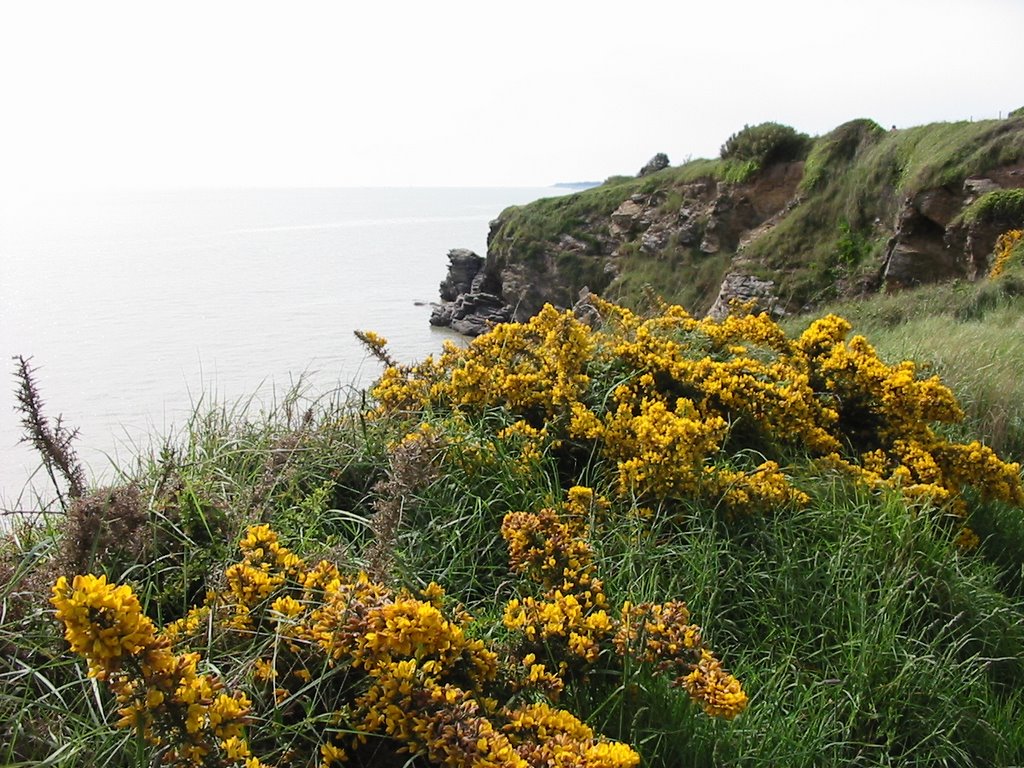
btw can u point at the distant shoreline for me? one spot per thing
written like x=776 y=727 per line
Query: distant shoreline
x=577 y=184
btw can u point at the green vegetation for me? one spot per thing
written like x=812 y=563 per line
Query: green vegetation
x=813 y=504
x=833 y=153
x=765 y=144
x=859 y=174
x=856 y=179
x=1002 y=205
x=681 y=276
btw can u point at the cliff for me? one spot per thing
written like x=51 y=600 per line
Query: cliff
x=780 y=218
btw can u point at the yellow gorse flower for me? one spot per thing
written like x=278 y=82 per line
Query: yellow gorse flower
x=552 y=549
x=415 y=675
x=102 y=622
x=1005 y=246
x=670 y=399
x=161 y=694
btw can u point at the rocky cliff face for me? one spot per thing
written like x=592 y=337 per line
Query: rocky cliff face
x=853 y=218
x=933 y=238
x=469 y=304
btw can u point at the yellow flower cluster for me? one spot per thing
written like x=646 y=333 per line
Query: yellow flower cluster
x=102 y=622
x=680 y=406
x=266 y=567
x=878 y=403
x=187 y=715
x=886 y=415
x=535 y=369
x=527 y=441
x=554 y=737
x=400 y=667
x=1005 y=245
x=658 y=447
x=551 y=548
x=718 y=692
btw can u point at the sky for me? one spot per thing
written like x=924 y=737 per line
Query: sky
x=390 y=93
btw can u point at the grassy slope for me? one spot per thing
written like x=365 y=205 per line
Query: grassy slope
x=856 y=176
x=854 y=179
x=862 y=637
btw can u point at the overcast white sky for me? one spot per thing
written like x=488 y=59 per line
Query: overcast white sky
x=342 y=93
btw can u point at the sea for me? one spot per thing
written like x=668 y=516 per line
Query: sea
x=135 y=308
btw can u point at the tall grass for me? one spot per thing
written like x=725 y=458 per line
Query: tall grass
x=309 y=464
x=862 y=638
x=862 y=634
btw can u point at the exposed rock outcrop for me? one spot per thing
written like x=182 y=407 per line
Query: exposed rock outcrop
x=465 y=306
x=851 y=219
x=917 y=252
x=743 y=289
x=711 y=216
x=463 y=267
x=933 y=239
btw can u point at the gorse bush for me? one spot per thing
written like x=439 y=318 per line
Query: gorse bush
x=1009 y=244
x=349 y=659
x=686 y=408
x=766 y=143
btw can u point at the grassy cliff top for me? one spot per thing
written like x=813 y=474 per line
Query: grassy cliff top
x=855 y=162
x=855 y=180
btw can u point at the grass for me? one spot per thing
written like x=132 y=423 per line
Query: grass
x=682 y=278
x=860 y=174
x=1000 y=204
x=861 y=634
x=856 y=179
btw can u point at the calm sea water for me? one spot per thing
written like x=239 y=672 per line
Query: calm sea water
x=134 y=306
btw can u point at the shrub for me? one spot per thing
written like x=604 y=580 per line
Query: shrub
x=765 y=144
x=323 y=659
x=657 y=163
x=1005 y=205
x=1009 y=243
x=690 y=403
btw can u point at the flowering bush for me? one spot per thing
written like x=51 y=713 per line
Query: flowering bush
x=708 y=410
x=1006 y=245
x=372 y=661
x=183 y=713
x=353 y=661
x=570 y=621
